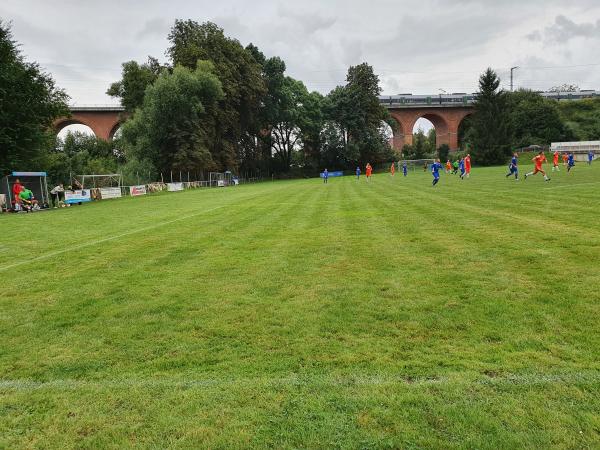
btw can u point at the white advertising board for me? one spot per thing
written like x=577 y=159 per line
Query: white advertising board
x=78 y=196
x=111 y=192
x=174 y=187
x=137 y=190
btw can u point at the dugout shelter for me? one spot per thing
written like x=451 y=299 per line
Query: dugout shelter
x=37 y=182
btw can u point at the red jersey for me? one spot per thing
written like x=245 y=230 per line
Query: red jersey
x=17 y=188
x=565 y=157
x=555 y=158
x=539 y=160
x=468 y=162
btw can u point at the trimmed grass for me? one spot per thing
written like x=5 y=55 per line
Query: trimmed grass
x=291 y=314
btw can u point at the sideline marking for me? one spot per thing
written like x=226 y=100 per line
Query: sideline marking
x=571 y=185
x=112 y=238
x=300 y=380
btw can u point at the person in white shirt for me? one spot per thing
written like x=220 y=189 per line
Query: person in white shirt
x=58 y=194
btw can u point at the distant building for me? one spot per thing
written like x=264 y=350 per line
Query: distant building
x=579 y=149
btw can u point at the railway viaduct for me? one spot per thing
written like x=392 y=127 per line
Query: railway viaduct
x=103 y=120
x=446 y=118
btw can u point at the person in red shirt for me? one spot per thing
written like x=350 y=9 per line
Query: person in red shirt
x=393 y=169
x=448 y=166
x=16 y=190
x=555 y=162
x=538 y=161
x=467 y=166
x=565 y=159
x=368 y=171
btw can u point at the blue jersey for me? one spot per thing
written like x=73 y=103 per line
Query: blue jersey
x=461 y=165
x=590 y=156
x=435 y=169
x=513 y=162
x=571 y=160
x=357 y=171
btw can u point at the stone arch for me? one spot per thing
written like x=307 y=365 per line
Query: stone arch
x=442 y=135
x=114 y=129
x=399 y=133
x=61 y=124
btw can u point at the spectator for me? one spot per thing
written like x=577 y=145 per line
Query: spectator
x=58 y=194
x=27 y=200
x=16 y=190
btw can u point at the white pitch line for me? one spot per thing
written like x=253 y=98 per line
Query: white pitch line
x=107 y=239
x=300 y=380
x=570 y=185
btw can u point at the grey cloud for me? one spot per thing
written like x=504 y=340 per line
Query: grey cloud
x=564 y=29
x=309 y=22
x=414 y=45
x=158 y=26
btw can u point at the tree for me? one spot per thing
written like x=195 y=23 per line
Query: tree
x=535 y=120
x=565 y=88
x=358 y=114
x=581 y=119
x=29 y=104
x=169 y=130
x=443 y=151
x=312 y=122
x=490 y=134
x=80 y=153
x=284 y=112
x=420 y=145
x=135 y=79
x=236 y=114
x=431 y=141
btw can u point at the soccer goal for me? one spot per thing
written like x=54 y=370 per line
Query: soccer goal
x=102 y=186
x=220 y=179
x=415 y=164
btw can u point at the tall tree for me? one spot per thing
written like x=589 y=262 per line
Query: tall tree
x=29 y=103
x=358 y=115
x=241 y=77
x=169 y=129
x=490 y=134
x=134 y=81
x=286 y=112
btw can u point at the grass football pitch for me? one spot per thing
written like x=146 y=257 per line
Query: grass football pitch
x=294 y=314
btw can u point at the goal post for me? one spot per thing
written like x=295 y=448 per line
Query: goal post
x=415 y=164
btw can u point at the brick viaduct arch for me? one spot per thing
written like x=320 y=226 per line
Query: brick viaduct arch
x=445 y=120
x=104 y=121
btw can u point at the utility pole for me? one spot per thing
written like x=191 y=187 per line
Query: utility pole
x=441 y=92
x=511 y=77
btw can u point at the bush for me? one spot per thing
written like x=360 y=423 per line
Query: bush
x=443 y=152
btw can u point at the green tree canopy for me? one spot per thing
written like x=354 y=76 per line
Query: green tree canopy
x=582 y=118
x=535 y=120
x=135 y=79
x=240 y=73
x=358 y=115
x=29 y=103
x=170 y=129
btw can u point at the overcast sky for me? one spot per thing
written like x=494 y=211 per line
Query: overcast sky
x=414 y=46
